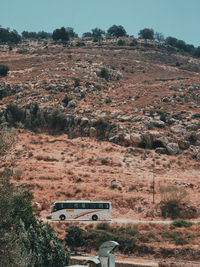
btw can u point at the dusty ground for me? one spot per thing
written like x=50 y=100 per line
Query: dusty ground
x=58 y=168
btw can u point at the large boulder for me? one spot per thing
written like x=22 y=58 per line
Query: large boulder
x=172 y=148
x=183 y=144
x=178 y=129
x=135 y=139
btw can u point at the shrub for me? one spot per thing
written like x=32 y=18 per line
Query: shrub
x=133 y=42
x=14 y=114
x=101 y=125
x=172 y=200
x=98 y=34
x=181 y=223
x=176 y=237
x=158 y=36
x=4 y=70
x=171 y=208
x=74 y=238
x=121 y=42
x=7 y=139
x=113 y=186
x=104 y=74
x=17 y=175
x=79 y=44
x=22 y=51
x=58 y=120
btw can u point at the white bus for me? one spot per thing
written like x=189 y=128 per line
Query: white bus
x=81 y=210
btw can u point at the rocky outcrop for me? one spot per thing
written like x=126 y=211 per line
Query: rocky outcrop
x=6 y=90
x=74 y=124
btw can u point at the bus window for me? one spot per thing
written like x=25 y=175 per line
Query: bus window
x=75 y=205
x=100 y=205
x=93 y=205
x=65 y=206
x=58 y=206
x=70 y=205
x=106 y=205
x=82 y=206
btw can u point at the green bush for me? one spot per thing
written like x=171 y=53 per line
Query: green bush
x=74 y=238
x=58 y=120
x=79 y=44
x=14 y=114
x=133 y=42
x=173 y=199
x=4 y=70
x=181 y=223
x=171 y=209
x=104 y=74
x=176 y=237
x=121 y=42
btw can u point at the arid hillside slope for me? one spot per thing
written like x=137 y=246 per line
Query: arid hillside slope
x=99 y=121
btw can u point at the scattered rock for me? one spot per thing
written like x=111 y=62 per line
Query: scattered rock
x=172 y=148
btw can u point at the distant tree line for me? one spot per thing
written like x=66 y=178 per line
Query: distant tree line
x=36 y=35
x=64 y=34
x=9 y=37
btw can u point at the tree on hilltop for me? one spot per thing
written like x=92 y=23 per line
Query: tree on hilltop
x=158 y=36
x=146 y=34
x=7 y=36
x=98 y=33
x=61 y=34
x=116 y=31
x=71 y=32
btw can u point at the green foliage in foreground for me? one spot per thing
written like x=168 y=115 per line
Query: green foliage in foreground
x=23 y=240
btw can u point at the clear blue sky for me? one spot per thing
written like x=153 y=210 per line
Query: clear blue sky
x=177 y=18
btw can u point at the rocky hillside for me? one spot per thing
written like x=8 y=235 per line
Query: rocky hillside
x=96 y=117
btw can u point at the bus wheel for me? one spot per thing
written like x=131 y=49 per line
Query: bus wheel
x=94 y=217
x=62 y=217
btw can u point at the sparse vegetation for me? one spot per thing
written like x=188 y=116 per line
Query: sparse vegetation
x=104 y=74
x=81 y=95
x=176 y=237
x=174 y=201
x=4 y=70
x=181 y=223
